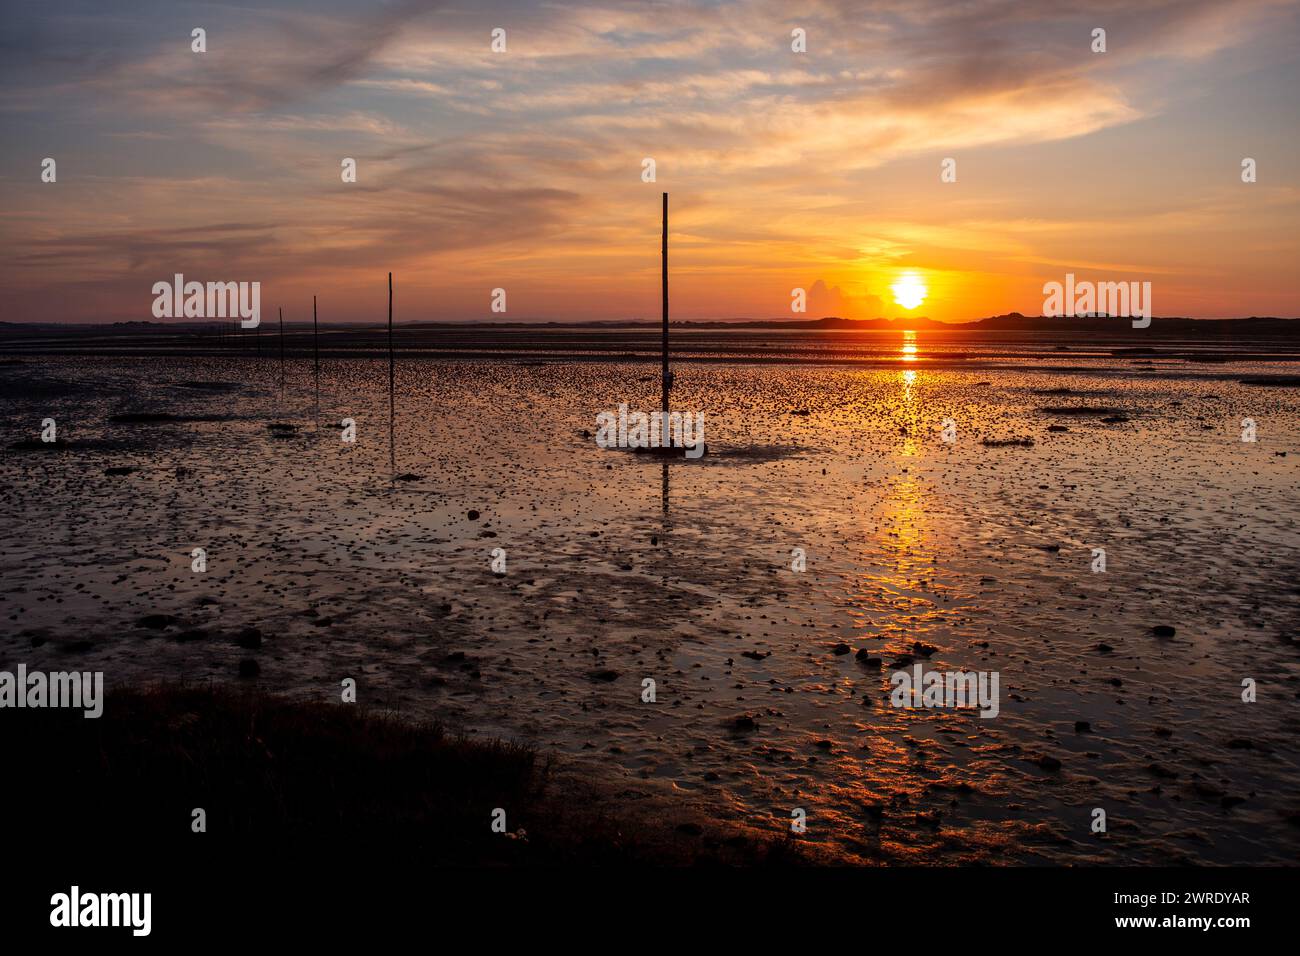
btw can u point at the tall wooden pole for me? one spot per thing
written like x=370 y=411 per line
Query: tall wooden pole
x=315 y=344
x=665 y=285
x=390 y=340
x=392 y=447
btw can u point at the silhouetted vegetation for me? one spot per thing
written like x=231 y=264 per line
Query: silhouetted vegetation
x=277 y=774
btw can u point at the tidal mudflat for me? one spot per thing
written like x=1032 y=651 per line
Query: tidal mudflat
x=771 y=685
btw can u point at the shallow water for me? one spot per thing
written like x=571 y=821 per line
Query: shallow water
x=621 y=568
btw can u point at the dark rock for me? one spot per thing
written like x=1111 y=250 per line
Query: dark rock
x=249 y=667
x=157 y=622
x=1163 y=630
x=133 y=418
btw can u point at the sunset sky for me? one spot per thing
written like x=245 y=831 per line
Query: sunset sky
x=522 y=169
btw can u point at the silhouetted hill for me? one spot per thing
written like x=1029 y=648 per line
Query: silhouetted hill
x=1015 y=322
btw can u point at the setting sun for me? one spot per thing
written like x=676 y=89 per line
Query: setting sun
x=909 y=291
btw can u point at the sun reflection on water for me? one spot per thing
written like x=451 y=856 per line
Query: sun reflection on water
x=908 y=351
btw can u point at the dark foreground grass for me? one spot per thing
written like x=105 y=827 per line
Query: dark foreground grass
x=282 y=776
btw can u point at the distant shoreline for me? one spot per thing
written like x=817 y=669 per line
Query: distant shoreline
x=1000 y=339
x=1011 y=322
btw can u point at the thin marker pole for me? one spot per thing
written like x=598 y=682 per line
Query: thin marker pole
x=666 y=375
x=315 y=337
x=390 y=334
x=392 y=448
x=315 y=344
x=281 y=356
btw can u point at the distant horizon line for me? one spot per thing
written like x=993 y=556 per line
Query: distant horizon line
x=830 y=322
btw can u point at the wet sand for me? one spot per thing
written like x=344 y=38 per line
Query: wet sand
x=621 y=568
